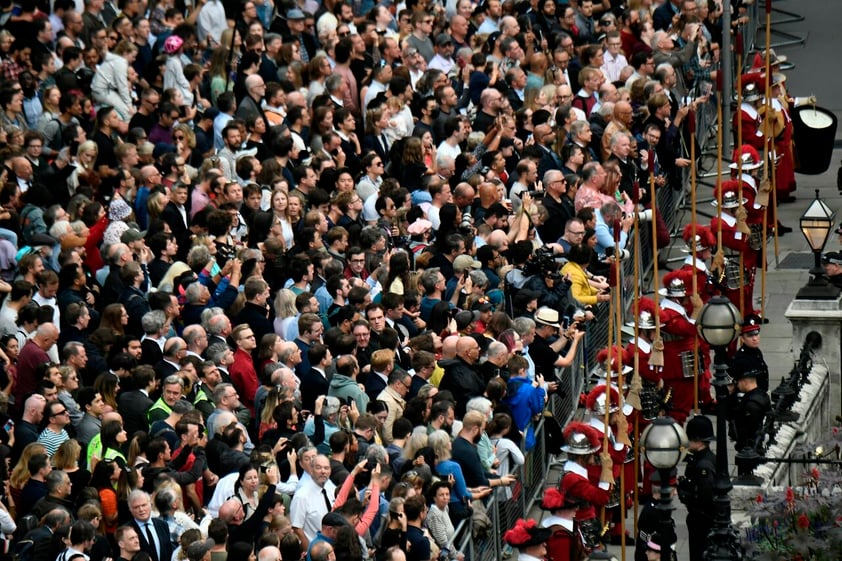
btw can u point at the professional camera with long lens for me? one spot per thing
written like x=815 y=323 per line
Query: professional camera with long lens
x=543 y=262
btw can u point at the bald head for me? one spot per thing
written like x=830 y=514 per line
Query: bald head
x=255 y=86
x=269 y=553
x=448 y=346
x=623 y=113
x=231 y=512
x=467 y=349
x=112 y=416
x=46 y=335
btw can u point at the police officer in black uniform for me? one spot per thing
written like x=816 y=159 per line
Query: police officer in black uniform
x=695 y=488
x=832 y=262
x=649 y=521
x=749 y=356
x=747 y=407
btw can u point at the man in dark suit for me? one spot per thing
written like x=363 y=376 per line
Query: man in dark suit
x=314 y=382
x=177 y=215
x=154 y=533
x=255 y=312
x=382 y=364
x=544 y=138
x=174 y=350
x=135 y=404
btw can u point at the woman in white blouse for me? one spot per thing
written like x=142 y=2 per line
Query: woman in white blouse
x=438 y=518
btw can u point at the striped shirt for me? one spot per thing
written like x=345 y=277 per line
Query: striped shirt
x=52 y=440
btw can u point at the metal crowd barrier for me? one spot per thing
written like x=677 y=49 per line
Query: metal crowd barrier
x=531 y=477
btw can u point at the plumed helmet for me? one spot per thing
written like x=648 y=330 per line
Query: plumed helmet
x=595 y=402
x=173 y=43
x=675 y=287
x=618 y=353
x=526 y=533
x=581 y=439
x=747 y=158
x=704 y=238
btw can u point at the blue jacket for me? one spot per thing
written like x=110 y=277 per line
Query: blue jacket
x=526 y=401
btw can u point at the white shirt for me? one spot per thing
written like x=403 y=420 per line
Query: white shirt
x=611 y=67
x=308 y=506
x=445 y=149
x=211 y=21
x=438 y=62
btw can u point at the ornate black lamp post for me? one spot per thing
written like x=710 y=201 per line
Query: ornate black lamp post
x=816 y=224
x=665 y=444
x=718 y=325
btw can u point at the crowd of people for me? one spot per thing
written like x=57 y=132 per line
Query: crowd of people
x=298 y=279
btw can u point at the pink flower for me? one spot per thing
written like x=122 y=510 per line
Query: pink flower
x=803 y=522
x=815 y=473
x=790 y=495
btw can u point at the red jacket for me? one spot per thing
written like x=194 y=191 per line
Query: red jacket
x=575 y=484
x=244 y=377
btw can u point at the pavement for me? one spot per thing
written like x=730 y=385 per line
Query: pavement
x=811 y=75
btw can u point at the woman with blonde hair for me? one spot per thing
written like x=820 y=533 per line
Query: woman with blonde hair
x=66 y=459
x=20 y=473
x=267 y=418
x=185 y=143
x=534 y=98
x=156 y=203
x=295 y=209
x=280 y=208
x=84 y=171
x=285 y=311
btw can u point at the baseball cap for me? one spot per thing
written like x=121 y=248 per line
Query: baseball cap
x=132 y=235
x=443 y=39
x=463 y=262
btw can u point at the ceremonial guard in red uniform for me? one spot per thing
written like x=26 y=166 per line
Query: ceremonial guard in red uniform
x=749 y=114
x=678 y=331
x=582 y=443
x=565 y=543
x=705 y=241
x=735 y=244
x=619 y=441
x=651 y=394
x=529 y=539
x=782 y=133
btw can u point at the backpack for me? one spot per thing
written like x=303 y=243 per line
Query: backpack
x=23 y=548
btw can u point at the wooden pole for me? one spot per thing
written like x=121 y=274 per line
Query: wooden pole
x=741 y=211
x=618 y=323
x=691 y=124
x=718 y=262
x=656 y=358
x=636 y=308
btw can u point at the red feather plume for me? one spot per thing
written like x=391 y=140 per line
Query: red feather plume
x=597 y=392
x=520 y=533
x=590 y=432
